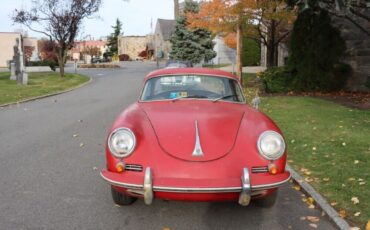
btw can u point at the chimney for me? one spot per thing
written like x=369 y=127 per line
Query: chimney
x=176 y=9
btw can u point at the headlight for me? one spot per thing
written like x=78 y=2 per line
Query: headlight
x=271 y=145
x=121 y=142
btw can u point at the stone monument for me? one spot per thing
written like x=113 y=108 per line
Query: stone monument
x=20 y=75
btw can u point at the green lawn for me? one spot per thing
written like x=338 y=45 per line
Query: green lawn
x=39 y=84
x=329 y=145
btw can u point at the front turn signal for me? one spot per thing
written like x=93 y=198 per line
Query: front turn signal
x=120 y=167
x=272 y=169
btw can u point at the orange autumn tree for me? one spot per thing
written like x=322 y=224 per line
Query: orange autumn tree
x=266 y=21
x=274 y=23
x=225 y=17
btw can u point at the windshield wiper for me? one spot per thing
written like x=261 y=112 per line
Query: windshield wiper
x=190 y=96
x=224 y=97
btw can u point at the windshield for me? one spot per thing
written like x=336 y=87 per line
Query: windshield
x=192 y=86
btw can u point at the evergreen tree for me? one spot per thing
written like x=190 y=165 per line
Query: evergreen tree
x=315 y=51
x=113 y=39
x=191 y=45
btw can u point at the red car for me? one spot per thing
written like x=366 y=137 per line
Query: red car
x=192 y=137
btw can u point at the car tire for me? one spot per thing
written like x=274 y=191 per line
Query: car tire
x=122 y=199
x=267 y=202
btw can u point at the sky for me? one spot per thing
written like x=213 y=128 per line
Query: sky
x=135 y=15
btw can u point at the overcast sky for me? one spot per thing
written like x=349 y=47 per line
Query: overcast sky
x=136 y=16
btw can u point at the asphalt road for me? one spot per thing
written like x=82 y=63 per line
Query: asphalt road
x=48 y=181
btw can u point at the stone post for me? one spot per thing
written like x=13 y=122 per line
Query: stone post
x=13 y=77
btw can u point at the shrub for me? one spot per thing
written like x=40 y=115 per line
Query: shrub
x=51 y=64
x=102 y=66
x=277 y=80
x=251 y=52
x=315 y=51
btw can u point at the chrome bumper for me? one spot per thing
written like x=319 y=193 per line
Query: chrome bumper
x=147 y=189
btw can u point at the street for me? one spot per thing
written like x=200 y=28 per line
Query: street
x=52 y=150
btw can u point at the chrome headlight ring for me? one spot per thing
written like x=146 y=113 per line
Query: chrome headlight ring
x=122 y=142
x=271 y=145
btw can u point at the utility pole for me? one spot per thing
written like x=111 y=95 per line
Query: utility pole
x=176 y=9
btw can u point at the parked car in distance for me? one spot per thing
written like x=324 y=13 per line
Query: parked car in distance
x=99 y=60
x=192 y=137
x=178 y=64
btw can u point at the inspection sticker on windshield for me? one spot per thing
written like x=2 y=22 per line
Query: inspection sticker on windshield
x=173 y=95
x=183 y=94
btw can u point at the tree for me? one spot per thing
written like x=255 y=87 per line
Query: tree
x=192 y=45
x=91 y=51
x=60 y=21
x=46 y=49
x=275 y=18
x=28 y=51
x=315 y=51
x=261 y=20
x=113 y=39
x=357 y=12
x=251 y=49
x=226 y=16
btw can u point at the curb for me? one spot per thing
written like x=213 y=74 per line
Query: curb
x=320 y=200
x=47 y=95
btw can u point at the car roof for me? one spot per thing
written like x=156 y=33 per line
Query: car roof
x=187 y=71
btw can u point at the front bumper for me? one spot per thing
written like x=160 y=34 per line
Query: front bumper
x=146 y=188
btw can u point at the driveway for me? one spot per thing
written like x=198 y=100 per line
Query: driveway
x=51 y=153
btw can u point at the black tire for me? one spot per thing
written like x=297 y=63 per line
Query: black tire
x=267 y=202
x=122 y=199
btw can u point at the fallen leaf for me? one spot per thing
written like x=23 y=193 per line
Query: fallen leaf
x=342 y=213
x=297 y=187
x=75 y=135
x=357 y=214
x=302 y=218
x=333 y=203
x=290 y=161
x=351 y=179
x=313 y=225
x=326 y=179
x=95 y=168
x=292 y=141
x=311 y=206
x=310 y=200
x=308 y=179
x=307 y=173
x=355 y=200
x=355 y=228
x=313 y=219
x=362 y=183
x=360 y=179
x=344 y=143
x=356 y=162
x=367 y=225
x=166 y=228
x=314 y=148
x=81 y=144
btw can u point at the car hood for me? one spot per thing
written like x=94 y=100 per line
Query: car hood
x=177 y=125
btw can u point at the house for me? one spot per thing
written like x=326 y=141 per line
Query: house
x=282 y=52
x=76 y=53
x=134 y=45
x=7 y=41
x=225 y=54
x=163 y=31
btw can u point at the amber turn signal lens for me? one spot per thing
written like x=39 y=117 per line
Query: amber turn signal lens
x=120 y=167
x=272 y=169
